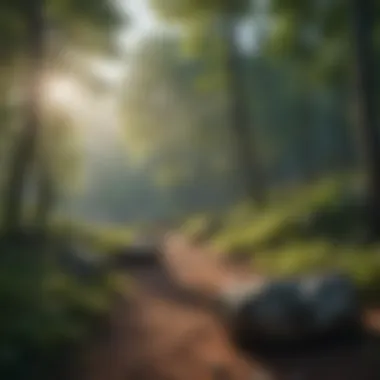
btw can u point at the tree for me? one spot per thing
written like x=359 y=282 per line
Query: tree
x=310 y=37
x=66 y=15
x=227 y=15
x=59 y=155
x=164 y=110
x=24 y=150
x=176 y=131
x=363 y=14
x=316 y=34
x=240 y=116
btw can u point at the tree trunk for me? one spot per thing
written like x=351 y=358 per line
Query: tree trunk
x=45 y=198
x=363 y=14
x=306 y=139
x=24 y=149
x=344 y=153
x=240 y=118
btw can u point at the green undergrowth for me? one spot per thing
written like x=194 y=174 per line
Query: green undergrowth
x=318 y=228
x=44 y=308
x=103 y=238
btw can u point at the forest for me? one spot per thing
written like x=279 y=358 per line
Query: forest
x=249 y=124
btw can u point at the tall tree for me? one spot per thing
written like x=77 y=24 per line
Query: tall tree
x=228 y=13
x=36 y=18
x=363 y=14
x=322 y=31
x=168 y=119
x=23 y=155
x=241 y=122
x=310 y=37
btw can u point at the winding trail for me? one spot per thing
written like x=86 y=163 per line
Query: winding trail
x=162 y=335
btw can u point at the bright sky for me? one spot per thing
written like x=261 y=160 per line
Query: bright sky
x=141 y=23
x=144 y=23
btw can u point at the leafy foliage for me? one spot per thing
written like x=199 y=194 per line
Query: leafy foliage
x=161 y=126
x=319 y=229
x=44 y=307
x=315 y=33
x=187 y=9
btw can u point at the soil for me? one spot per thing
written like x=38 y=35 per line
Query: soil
x=160 y=334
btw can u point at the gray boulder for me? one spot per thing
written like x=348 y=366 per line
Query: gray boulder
x=333 y=301
x=297 y=309
x=79 y=260
x=277 y=312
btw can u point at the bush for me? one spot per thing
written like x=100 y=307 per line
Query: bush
x=318 y=229
x=44 y=308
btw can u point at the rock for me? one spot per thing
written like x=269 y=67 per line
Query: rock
x=81 y=261
x=333 y=301
x=278 y=312
x=299 y=309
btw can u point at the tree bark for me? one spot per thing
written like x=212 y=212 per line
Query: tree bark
x=306 y=139
x=240 y=118
x=45 y=198
x=23 y=154
x=363 y=13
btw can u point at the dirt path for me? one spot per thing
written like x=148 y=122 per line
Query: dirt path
x=161 y=335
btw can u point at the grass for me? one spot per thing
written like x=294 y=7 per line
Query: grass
x=43 y=307
x=103 y=238
x=317 y=228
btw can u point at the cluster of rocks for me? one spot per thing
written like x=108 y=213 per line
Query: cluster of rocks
x=298 y=310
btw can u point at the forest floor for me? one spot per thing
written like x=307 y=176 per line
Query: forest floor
x=161 y=336
x=165 y=337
